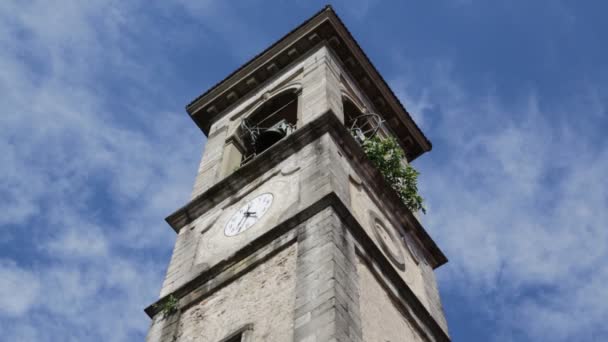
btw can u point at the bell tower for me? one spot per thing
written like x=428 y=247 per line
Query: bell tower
x=291 y=233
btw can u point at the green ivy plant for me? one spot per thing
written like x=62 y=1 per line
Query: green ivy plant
x=168 y=306
x=387 y=156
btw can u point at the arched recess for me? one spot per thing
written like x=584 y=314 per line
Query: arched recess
x=282 y=105
x=359 y=121
x=351 y=110
x=295 y=88
x=274 y=117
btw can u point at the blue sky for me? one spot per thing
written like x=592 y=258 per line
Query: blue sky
x=96 y=149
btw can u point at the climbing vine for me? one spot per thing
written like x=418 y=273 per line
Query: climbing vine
x=388 y=156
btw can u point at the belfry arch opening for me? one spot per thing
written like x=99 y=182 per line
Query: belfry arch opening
x=361 y=125
x=275 y=119
x=351 y=112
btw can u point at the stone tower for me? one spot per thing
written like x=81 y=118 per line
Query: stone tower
x=291 y=233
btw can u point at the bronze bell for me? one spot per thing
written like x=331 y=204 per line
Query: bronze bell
x=269 y=136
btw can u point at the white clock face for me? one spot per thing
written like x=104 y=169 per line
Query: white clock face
x=250 y=213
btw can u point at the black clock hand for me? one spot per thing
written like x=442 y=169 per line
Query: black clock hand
x=240 y=223
x=243 y=218
x=249 y=213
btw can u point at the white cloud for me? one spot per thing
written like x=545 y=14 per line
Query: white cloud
x=522 y=213
x=19 y=289
x=94 y=157
x=87 y=241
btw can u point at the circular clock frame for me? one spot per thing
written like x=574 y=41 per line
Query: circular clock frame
x=393 y=247
x=241 y=217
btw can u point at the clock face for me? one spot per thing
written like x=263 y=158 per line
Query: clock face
x=390 y=244
x=250 y=213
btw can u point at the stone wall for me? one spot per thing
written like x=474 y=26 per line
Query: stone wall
x=327 y=292
x=432 y=294
x=316 y=76
x=262 y=298
x=381 y=319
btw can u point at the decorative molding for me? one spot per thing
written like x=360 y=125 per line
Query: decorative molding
x=398 y=260
x=232 y=96
x=355 y=102
x=272 y=68
x=212 y=110
x=293 y=52
x=355 y=179
x=290 y=169
x=217 y=131
x=290 y=83
x=412 y=247
x=313 y=37
x=334 y=41
x=252 y=82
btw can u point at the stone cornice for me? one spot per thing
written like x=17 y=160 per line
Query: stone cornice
x=325 y=26
x=252 y=171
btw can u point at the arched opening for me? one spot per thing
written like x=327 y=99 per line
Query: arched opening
x=351 y=112
x=274 y=120
x=361 y=125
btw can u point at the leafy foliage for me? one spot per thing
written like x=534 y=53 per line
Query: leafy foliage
x=387 y=156
x=168 y=306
